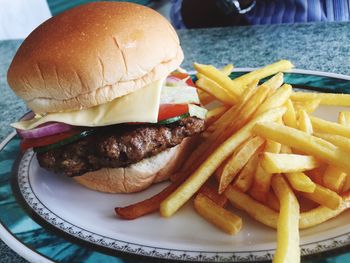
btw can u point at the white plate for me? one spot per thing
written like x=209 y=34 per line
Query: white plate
x=89 y=216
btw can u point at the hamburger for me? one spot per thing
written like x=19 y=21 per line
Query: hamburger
x=108 y=107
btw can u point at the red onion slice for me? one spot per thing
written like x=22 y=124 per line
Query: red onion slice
x=43 y=130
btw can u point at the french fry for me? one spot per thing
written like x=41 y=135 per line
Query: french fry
x=321 y=125
x=228 y=124
x=255 y=209
x=227 y=69
x=274 y=83
x=216 y=112
x=221 y=130
x=218 y=171
x=288 y=249
x=285 y=149
x=224 y=122
x=231 y=148
x=248 y=92
x=213 y=114
x=251 y=106
x=220 y=78
x=302 y=141
x=272 y=146
x=269 y=217
x=261 y=179
x=344 y=118
x=185 y=191
x=212 y=193
x=234 y=112
x=301 y=182
x=325 y=98
x=215 y=214
x=261 y=184
x=307 y=106
x=324 y=196
x=340 y=141
x=149 y=205
x=346 y=186
x=215 y=90
x=204 y=97
x=245 y=178
x=280 y=66
x=235 y=87
x=334 y=178
x=199 y=154
x=321 y=214
x=316 y=175
x=306 y=204
x=272 y=201
x=236 y=162
x=305 y=122
x=287 y=163
x=290 y=117
x=277 y=99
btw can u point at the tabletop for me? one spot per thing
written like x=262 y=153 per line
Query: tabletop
x=313 y=46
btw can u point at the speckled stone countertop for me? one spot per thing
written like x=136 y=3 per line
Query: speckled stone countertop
x=324 y=47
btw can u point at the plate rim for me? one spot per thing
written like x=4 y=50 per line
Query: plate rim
x=302 y=71
x=9 y=239
x=33 y=256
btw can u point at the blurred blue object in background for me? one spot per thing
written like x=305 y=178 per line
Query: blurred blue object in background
x=58 y=6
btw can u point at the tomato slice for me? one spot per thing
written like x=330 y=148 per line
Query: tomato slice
x=189 y=82
x=167 y=111
x=181 y=75
x=29 y=143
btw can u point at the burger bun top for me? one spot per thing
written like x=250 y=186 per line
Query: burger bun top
x=92 y=54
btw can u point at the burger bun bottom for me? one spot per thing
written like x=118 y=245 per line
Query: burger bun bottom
x=138 y=176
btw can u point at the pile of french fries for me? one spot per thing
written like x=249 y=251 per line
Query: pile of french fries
x=263 y=153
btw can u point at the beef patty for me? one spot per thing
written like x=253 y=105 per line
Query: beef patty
x=118 y=146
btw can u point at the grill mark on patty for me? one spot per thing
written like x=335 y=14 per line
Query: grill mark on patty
x=118 y=146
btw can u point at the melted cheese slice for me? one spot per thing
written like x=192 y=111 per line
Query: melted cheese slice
x=179 y=95
x=139 y=106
